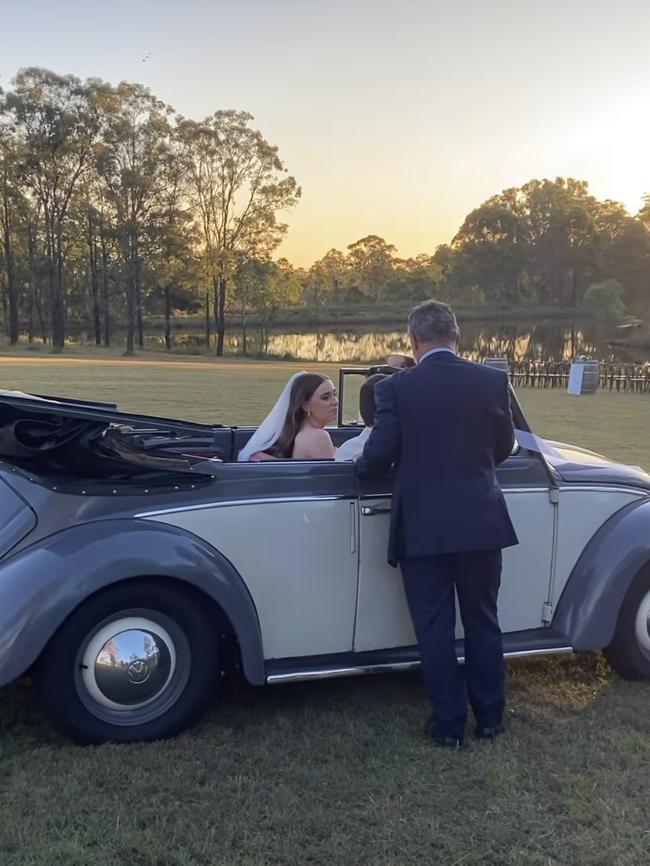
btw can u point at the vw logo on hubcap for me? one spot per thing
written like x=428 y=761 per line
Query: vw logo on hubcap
x=138 y=671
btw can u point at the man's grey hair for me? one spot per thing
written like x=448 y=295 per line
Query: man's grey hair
x=433 y=322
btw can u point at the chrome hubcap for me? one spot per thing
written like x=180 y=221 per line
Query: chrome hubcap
x=642 y=624
x=128 y=663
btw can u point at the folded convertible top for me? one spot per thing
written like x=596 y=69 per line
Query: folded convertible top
x=83 y=438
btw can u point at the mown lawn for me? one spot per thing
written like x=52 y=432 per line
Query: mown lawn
x=337 y=772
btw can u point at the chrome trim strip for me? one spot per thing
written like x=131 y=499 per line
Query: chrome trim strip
x=231 y=502
x=539 y=488
x=390 y=667
x=542 y=651
x=641 y=492
x=266 y=500
x=563 y=485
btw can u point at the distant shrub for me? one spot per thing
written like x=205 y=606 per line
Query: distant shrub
x=605 y=300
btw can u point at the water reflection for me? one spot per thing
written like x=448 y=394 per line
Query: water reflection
x=519 y=342
x=479 y=340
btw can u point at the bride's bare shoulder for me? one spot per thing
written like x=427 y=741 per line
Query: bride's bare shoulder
x=314 y=443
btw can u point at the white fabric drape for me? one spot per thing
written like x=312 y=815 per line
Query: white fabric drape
x=268 y=432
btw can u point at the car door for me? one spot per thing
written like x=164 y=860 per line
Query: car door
x=289 y=528
x=383 y=619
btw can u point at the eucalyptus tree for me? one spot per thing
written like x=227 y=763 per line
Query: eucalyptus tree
x=250 y=278
x=10 y=197
x=325 y=279
x=171 y=243
x=239 y=185
x=57 y=121
x=370 y=264
x=130 y=160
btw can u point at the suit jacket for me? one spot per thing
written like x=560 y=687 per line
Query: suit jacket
x=445 y=424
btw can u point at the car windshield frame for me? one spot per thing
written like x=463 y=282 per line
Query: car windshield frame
x=345 y=372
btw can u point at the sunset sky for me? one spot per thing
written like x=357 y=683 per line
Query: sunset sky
x=397 y=118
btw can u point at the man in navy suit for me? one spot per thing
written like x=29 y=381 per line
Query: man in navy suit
x=446 y=424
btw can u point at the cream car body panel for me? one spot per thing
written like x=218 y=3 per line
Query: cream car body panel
x=299 y=562
x=581 y=512
x=383 y=618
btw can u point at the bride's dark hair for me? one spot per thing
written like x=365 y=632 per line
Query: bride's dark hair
x=302 y=390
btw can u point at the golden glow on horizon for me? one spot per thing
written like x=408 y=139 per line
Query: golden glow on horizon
x=393 y=124
x=622 y=138
x=608 y=148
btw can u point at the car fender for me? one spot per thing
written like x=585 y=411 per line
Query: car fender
x=588 y=608
x=44 y=583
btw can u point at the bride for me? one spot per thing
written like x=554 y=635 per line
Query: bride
x=295 y=426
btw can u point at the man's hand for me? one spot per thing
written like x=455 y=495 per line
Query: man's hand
x=400 y=361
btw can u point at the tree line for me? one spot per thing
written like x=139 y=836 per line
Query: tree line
x=114 y=208
x=545 y=243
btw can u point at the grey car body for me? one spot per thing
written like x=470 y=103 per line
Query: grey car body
x=139 y=559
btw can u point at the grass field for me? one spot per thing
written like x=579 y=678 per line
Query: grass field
x=240 y=392
x=337 y=772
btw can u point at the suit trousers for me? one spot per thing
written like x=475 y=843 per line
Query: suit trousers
x=429 y=582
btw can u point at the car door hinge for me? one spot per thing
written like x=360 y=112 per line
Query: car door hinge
x=547 y=613
x=553 y=495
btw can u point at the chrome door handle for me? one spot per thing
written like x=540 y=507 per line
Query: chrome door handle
x=370 y=510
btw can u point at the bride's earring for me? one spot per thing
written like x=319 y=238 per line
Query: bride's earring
x=308 y=412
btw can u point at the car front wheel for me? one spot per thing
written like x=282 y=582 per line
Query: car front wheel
x=135 y=662
x=629 y=652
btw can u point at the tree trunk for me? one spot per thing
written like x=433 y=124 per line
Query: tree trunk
x=244 y=344
x=574 y=288
x=131 y=299
x=215 y=308
x=131 y=315
x=105 y=305
x=58 y=309
x=138 y=302
x=53 y=233
x=30 y=319
x=264 y=335
x=94 y=282
x=3 y=295
x=168 y=316
x=33 y=287
x=41 y=316
x=221 y=315
x=11 y=288
x=134 y=291
x=207 y=319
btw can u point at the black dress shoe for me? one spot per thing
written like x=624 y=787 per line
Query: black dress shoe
x=446 y=742
x=438 y=740
x=489 y=732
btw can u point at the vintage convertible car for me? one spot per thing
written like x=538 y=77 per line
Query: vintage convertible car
x=139 y=561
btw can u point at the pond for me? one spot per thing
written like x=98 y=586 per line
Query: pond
x=519 y=342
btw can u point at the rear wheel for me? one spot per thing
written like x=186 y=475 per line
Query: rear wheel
x=629 y=651
x=135 y=662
